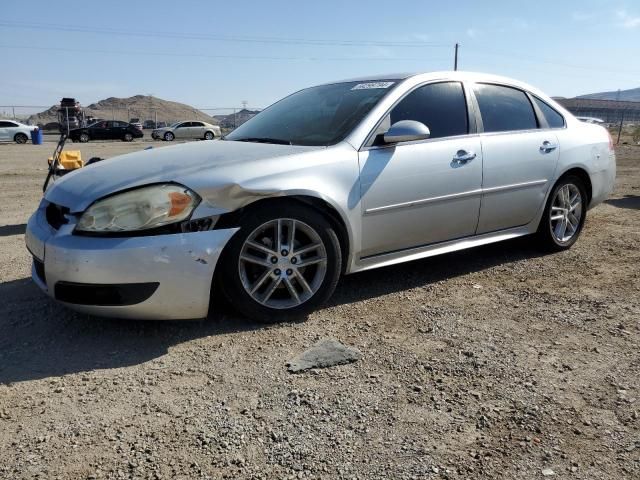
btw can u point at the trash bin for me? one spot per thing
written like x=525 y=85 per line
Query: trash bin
x=36 y=136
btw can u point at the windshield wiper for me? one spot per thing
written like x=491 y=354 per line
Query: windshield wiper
x=277 y=141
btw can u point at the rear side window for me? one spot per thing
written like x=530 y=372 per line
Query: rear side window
x=197 y=124
x=440 y=106
x=504 y=109
x=554 y=119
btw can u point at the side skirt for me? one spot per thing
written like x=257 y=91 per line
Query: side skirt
x=386 y=259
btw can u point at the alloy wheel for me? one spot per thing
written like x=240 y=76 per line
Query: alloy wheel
x=282 y=263
x=566 y=213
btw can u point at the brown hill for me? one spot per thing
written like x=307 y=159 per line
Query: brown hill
x=143 y=107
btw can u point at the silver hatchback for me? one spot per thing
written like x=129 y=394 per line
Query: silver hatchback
x=331 y=180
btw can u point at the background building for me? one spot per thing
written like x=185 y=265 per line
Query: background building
x=611 y=111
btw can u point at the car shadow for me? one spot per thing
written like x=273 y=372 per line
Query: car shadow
x=628 y=201
x=41 y=339
x=419 y=273
x=8 y=230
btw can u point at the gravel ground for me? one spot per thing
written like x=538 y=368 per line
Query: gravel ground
x=497 y=363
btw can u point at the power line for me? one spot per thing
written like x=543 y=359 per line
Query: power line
x=234 y=57
x=220 y=38
x=529 y=59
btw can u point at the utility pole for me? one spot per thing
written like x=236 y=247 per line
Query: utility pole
x=455 y=60
x=620 y=128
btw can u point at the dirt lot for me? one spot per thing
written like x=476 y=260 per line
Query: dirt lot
x=491 y=363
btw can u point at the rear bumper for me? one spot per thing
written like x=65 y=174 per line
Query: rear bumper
x=155 y=277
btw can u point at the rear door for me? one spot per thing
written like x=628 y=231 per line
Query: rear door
x=197 y=130
x=520 y=155
x=422 y=192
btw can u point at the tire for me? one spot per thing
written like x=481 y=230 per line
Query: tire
x=551 y=235
x=209 y=136
x=169 y=136
x=320 y=273
x=84 y=138
x=127 y=137
x=20 y=138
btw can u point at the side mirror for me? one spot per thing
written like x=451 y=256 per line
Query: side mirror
x=406 y=131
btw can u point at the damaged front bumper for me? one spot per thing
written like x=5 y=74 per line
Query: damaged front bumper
x=160 y=277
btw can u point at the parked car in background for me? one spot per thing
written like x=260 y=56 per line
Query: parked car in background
x=13 y=131
x=182 y=130
x=149 y=124
x=597 y=121
x=51 y=126
x=137 y=125
x=338 y=178
x=106 y=130
x=161 y=125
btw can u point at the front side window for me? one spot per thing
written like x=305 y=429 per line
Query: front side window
x=316 y=116
x=554 y=119
x=7 y=125
x=440 y=106
x=504 y=109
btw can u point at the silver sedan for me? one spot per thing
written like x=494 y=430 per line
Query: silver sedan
x=187 y=130
x=333 y=179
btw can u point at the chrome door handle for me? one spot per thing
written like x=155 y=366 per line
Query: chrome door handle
x=462 y=157
x=548 y=147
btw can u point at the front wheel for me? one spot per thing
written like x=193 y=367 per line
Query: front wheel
x=128 y=137
x=169 y=136
x=21 y=138
x=280 y=266
x=564 y=214
x=84 y=138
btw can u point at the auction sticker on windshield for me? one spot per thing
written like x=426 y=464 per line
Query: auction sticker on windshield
x=365 y=86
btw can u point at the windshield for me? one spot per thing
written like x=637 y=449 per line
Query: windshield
x=174 y=125
x=317 y=116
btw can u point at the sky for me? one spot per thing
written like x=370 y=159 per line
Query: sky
x=212 y=54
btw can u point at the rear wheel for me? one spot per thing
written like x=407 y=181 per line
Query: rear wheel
x=280 y=266
x=84 y=137
x=564 y=215
x=209 y=136
x=169 y=136
x=20 y=138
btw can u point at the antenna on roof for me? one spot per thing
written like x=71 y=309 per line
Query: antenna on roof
x=455 y=59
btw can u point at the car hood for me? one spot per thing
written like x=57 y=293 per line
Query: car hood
x=191 y=164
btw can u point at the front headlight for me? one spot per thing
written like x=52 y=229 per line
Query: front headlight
x=139 y=209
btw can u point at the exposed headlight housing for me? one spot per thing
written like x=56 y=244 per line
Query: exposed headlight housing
x=140 y=209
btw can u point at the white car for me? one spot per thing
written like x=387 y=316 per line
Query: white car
x=12 y=131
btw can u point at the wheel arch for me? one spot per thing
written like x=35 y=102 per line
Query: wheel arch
x=583 y=175
x=320 y=205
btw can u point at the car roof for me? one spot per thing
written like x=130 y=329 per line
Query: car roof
x=446 y=74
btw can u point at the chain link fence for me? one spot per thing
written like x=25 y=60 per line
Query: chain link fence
x=46 y=116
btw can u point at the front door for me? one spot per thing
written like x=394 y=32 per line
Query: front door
x=422 y=192
x=520 y=158
x=182 y=130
